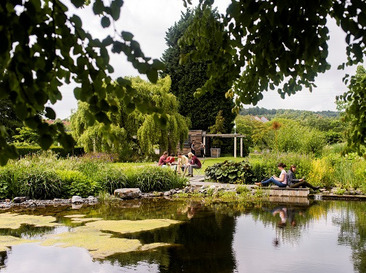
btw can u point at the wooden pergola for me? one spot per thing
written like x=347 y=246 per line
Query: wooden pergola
x=235 y=136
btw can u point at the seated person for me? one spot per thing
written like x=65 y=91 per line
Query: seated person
x=182 y=162
x=170 y=159
x=163 y=159
x=297 y=183
x=279 y=181
x=193 y=163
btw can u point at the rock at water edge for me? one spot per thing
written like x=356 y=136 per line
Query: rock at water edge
x=128 y=193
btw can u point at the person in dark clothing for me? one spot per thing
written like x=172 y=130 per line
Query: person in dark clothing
x=297 y=183
x=193 y=150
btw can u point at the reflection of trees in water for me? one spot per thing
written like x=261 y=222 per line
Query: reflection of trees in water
x=202 y=244
x=26 y=231
x=352 y=223
x=3 y=258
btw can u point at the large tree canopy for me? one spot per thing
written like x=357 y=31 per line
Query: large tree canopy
x=134 y=130
x=257 y=45
x=261 y=45
x=187 y=77
x=42 y=46
x=355 y=106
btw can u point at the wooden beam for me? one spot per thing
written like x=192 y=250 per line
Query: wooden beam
x=241 y=147
x=235 y=146
x=223 y=135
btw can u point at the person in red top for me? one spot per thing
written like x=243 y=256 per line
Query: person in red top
x=194 y=163
x=163 y=159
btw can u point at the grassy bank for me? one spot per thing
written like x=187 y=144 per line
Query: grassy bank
x=331 y=170
x=47 y=177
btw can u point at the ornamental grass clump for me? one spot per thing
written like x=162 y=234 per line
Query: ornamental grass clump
x=231 y=172
x=151 y=179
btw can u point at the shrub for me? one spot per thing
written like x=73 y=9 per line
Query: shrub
x=6 y=178
x=75 y=183
x=38 y=183
x=322 y=173
x=231 y=172
x=109 y=179
x=60 y=151
x=154 y=179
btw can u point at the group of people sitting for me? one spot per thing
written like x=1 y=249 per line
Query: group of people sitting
x=183 y=164
x=287 y=179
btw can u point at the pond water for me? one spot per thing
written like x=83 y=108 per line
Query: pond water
x=323 y=236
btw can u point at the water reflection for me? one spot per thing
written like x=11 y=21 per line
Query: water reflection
x=213 y=237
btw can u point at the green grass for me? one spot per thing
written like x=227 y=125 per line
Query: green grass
x=206 y=162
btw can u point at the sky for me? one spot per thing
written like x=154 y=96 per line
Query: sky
x=149 y=20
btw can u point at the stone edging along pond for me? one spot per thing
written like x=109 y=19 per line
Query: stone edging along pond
x=210 y=189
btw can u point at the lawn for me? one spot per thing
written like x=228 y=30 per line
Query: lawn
x=206 y=162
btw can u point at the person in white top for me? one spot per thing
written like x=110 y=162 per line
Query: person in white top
x=182 y=163
x=279 y=181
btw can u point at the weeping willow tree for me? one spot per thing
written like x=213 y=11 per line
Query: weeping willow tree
x=134 y=129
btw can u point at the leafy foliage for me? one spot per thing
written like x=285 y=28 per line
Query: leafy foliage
x=231 y=172
x=155 y=179
x=43 y=45
x=190 y=75
x=272 y=44
x=355 y=99
x=9 y=119
x=166 y=128
x=46 y=177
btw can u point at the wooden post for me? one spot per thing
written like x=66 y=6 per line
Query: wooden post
x=241 y=147
x=235 y=146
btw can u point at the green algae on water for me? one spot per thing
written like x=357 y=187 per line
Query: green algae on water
x=129 y=226
x=14 y=220
x=8 y=241
x=100 y=244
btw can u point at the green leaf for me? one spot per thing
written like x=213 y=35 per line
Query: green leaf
x=152 y=75
x=76 y=20
x=50 y=113
x=127 y=36
x=98 y=7
x=78 y=3
x=45 y=141
x=105 y=22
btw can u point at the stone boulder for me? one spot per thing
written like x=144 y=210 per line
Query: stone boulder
x=20 y=199
x=128 y=193
x=77 y=200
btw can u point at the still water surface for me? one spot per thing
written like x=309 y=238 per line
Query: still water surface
x=223 y=237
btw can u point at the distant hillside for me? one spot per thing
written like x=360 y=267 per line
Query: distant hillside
x=270 y=113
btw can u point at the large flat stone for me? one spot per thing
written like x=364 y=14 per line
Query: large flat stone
x=288 y=192
x=128 y=193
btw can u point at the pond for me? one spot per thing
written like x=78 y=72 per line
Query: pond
x=186 y=236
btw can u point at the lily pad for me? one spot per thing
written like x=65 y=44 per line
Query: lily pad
x=14 y=221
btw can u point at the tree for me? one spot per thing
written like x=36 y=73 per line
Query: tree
x=8 y=119
x=134 y=130
x=43 y=46
x=261 y=45
x=187 y=77
x=355 y=104
x=257 y=45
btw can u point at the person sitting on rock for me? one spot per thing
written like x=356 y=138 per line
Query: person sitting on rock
x=279 y=181
x=297 y=183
